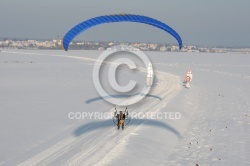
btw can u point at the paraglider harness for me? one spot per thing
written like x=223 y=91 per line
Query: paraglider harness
x=123 y=118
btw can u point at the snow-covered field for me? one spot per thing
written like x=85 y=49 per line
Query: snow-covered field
x=39 y=88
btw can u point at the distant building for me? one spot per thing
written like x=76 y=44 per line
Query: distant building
x=163 y=48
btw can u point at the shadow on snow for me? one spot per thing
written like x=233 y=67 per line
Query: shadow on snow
x=134 y=122
x=119 y=96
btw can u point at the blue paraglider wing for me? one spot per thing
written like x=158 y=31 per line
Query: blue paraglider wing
x=70 y=35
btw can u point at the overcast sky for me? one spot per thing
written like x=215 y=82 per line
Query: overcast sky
x=199 y=22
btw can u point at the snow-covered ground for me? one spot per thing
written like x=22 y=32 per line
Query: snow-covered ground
x=39 y=88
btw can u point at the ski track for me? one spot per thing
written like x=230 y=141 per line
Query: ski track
x=108 y=143
x=113 y=149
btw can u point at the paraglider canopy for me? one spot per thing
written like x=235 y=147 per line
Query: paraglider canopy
x=71 y=34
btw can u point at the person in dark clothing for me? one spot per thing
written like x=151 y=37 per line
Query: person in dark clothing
x=121 y=118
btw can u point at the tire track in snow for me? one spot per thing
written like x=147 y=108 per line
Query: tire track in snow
x=86 y=150
x=116 y=144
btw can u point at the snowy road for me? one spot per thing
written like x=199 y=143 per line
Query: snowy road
x=39 y=89
x=101 y=139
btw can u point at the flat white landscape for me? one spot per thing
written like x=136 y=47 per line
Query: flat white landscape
x=39 y=88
